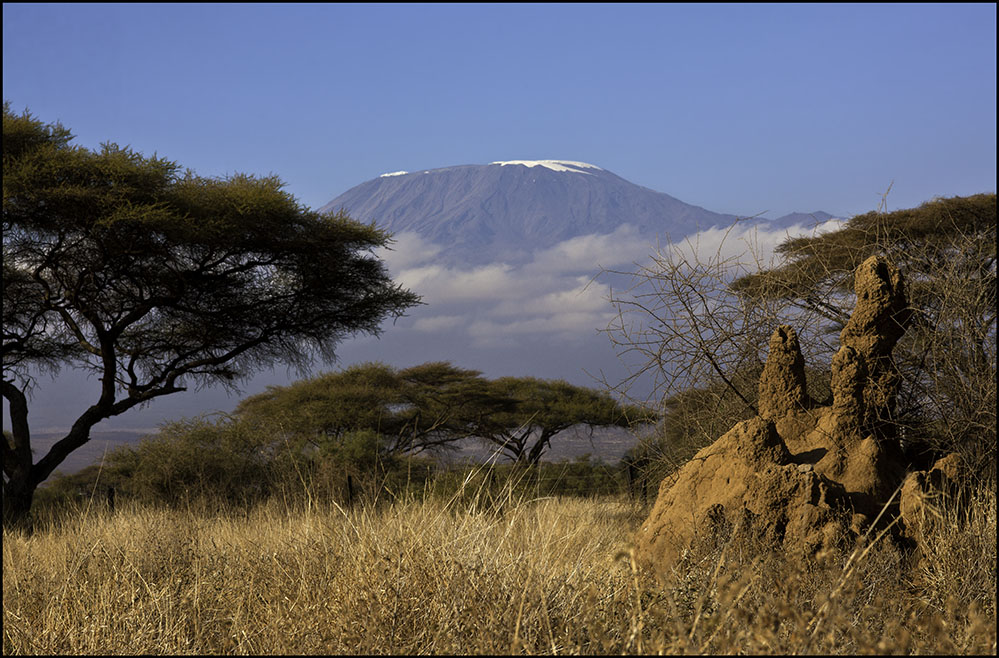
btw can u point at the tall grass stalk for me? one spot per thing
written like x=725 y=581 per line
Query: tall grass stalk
x=473 y=574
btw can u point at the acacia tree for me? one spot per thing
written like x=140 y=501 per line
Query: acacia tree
x=430 y=407
x=427 y=407
x=157 y=280
x=538 y=409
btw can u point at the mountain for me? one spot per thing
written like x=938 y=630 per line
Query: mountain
x=507 y=209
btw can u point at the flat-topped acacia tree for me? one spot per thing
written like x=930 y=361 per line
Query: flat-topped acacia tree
x=429 y=407
x=155 y=280
x=538 y=409
x=435 y=406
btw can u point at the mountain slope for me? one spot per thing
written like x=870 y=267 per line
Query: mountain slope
x=505 y=210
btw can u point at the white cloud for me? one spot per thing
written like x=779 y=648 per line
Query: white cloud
x=556 y=294
x=586 y=253
x=565 y=325
x=408 y=249
x=562 y=294
x=442 y=284
x=749 y=244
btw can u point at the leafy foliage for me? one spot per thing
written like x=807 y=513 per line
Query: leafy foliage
x=817 y=273
x=427 y=407
x=434 y=406
x=541 y=409
x=192 y=458
x=155 y=279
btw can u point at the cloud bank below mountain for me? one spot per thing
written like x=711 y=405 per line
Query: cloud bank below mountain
x=561 y=292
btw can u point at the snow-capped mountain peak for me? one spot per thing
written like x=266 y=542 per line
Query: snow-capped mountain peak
x=554 y=165
x=504 y=212
x=507 y=210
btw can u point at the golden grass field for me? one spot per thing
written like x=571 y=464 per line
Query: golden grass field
x=469 y=576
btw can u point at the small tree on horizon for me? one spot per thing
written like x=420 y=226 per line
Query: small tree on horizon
x=158 y=280
x=429 y=407
x=432 y=407
x=539 y=409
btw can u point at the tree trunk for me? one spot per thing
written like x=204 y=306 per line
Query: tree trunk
x=22 y=475
x=540 y=446
x=19 y=486
x=17 y=496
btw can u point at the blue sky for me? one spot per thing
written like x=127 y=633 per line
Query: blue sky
x=740 y=109
x=737 y=108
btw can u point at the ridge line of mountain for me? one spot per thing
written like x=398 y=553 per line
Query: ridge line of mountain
x=507 y=208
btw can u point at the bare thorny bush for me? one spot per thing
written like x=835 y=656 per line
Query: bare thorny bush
x=697 y=326
x=702 y=345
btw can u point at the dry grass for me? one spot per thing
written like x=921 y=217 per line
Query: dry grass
x=433 y=577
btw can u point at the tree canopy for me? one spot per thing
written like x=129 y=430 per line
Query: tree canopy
x=426 y=407
x=430 y=407
x=817 y=272
x=157 y=279
x=541 y=408
x=704 y=324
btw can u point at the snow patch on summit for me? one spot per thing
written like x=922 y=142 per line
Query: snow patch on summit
x=554 y=165
x=394 y=173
